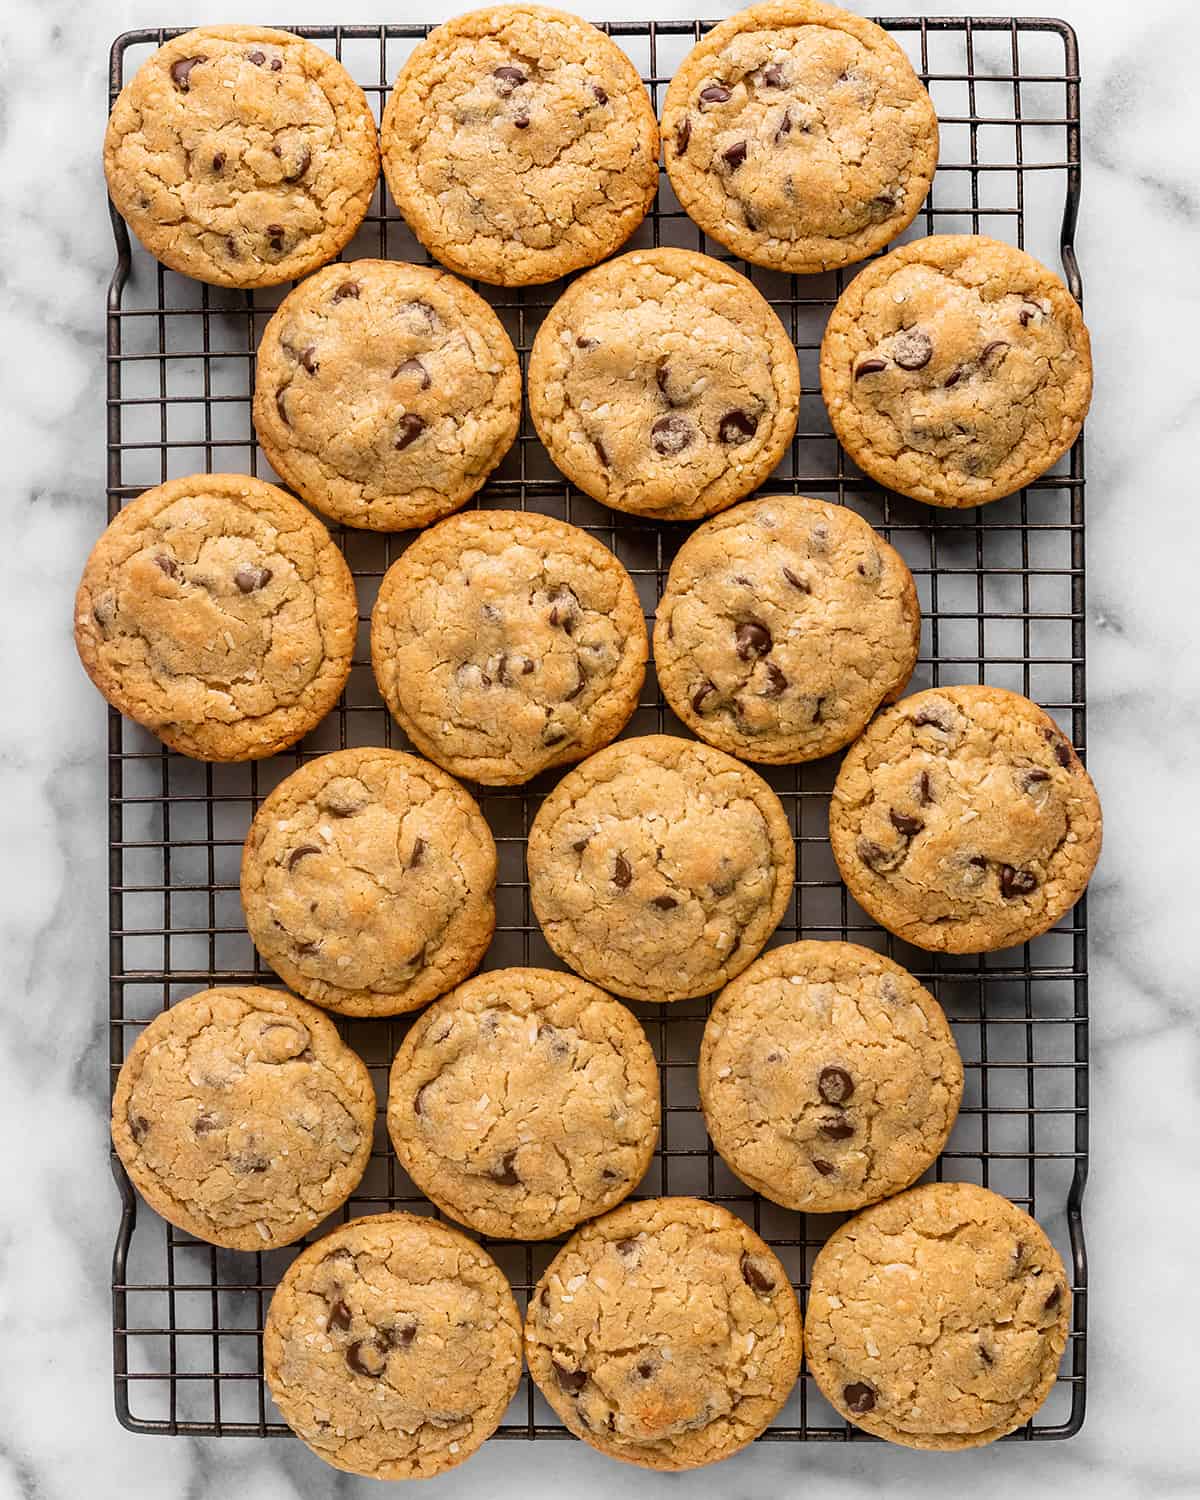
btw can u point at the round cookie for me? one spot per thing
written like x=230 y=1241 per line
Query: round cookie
x=963 y=821
x=659 y=867
x=241 y=155
x=392 y=1347
x=368 y=882
x=937 y=1319
x=505 y=643
x=828 y=1077
x=663 y=384
x=799 y=136
x=525 y=1102
x=956 y=369
x=219 y=615
x=520 y=144
x=665 y=1334
x=242 y=1117
x=386 y=393
x=784 y=624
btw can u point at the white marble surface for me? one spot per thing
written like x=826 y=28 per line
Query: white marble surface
x=1139 y=245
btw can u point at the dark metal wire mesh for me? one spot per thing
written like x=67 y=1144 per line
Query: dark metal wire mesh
x=1002 y=591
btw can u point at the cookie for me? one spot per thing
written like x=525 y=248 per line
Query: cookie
x=956 y=369
x=386 y=393
x=799 y=136
x=659 y=867
x=784 y=624
x=963 y=821
x=828 y=1077
x=505 y=643
x=392 y=1347
x=520 y=144
x=219 y=615
x=241 y=155
x=937 y=1319
x=242 y=1117
x=665 y=1334
x=368 y=882
x=664 y=385
x=524 y=1102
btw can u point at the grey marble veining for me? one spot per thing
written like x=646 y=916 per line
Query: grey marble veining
x=1139 y=246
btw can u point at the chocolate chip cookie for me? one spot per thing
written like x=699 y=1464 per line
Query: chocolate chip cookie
x=938 y=1318
x=963 y=821
x=392 y=1347
x=784 y=624
x=659 y=867
x=504 y=643
x=956 y=369
x=665 y=1334
x=520 y=144
x=799 y=136
x=828 y=1077
x=368 y=882
x=386 y=393
x=524 y=1102
x=219 y=615
x=242 y=1117
x=663 y=384
x=242 y=156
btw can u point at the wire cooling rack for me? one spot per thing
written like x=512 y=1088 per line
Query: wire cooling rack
x=1002 y=591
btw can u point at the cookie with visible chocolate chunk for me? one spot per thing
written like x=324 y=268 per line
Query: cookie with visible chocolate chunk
x=956 y=369
x=663 y=384
x=784 y=624
x=241 y=155
x=799 y=136
x=665 y=1334
x=963 y=821
x=368 y=881
x=519 y=143
x=506 y=642
x=392 y=1347
x=385 y=393
x=938 y=1318
x=242 y=1117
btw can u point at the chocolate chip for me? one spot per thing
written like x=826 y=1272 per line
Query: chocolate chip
x=912 y=349
x=418 y=1107
x=508 y=78
x=662 y=379
x=571 y=1381
x=275 y=236
x=231 y=248
x=784 y=128
x=993 y=348
x=1029 y=311
x=835 y=1085
x=168 y=565
x=986 y=1355
x=876 y=857
x=218 y=164
x=601 y=452
x=733 y=156
x=139 y=1127
x=701 y=693
x=181 y=72
x=1063 y=753
x=580 y=682
x=626 y=1249
x=933 y=718
x=347 y=289
x=665 y=903
x=714 y=93
x=600 y=96
x=418 y=852
x=402 y=1336
x=671 y=435
x=797 y=582
x=751 y=221
x=622 y=876
x=256 y=57
x=1014 y=882
x=581 y=844
x=276 y=64
x=869 y=367
x=773 y=76
x=413 y=369
x=755 y=1277
x=924 y=789
x=564 y=609
x=826 y=1168
x=836 y=1130
x=521 y=119
x=683 y=135
x=303 y=162
x=204 y=1123
x=408 y=429
x=955 y=376
x=281 y=405
x=553 y=734
x=505 y=1172
x=308 y=358
x=366 y=1357
x=776 y=682
x=645 y=1369
x=297 y=855
x=859 y=1397
x=1028 y=779
x=753 y=639
x=339 y=1316
x=248 y=578
x=737 y=427
x=906 y=824
x=1053 y=1299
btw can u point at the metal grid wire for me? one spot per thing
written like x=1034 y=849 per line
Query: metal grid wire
x=1002 y=591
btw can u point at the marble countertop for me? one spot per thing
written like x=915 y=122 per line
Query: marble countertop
x=1139 y=245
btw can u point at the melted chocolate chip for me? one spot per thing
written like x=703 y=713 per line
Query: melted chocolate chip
x=876 y=857
x=402 y=1336
x=601 y=452
x=275 y=234
x=924 y=789
x=714 y=93
x=281 y=405
x=797 y=582
x=986 y=1355
x=859 y=1398
x=339 y=1316
x=508 y=78
x=276 y=64
x=1062 y=751
x=181 y=72
x=303 y=162
x=757 y=1279
x=564 y=609
x=773 y=76
x=776 y=682
x=992 y=349
x=752 y=639
x=367 y=1357
x=645 y=1369
x=665 y=903
x=825 y=1168
x=418 y=1107
x=408 y=429
x=701 y=694
x=600 y=96
x=1034 y=776
x=256 y=57
x=521 y=119
x=835 y=1085
x=733 y=156
x=836 y=1130
x=626 y=1249
x=784 y=128
x=168 y=565
x=581 y=844
x=1029 y=311
x=418 y=852
x=955 y=376
x=1014 y=882
x=204 y=1123
x=869 y=367
x=622 y=876
x=297 y=855
x=906 y=824
x=737 y=427
x=1053 y=1299
x=218 y=162
x=571 y=1381
x=671 y=435
x=139 y=1127
x=347 y=289
x=249 y=579
x=505 y=1171
x=683 y=135
x=662 y=379
x=413 y=369
x=912 y=349
x=933 y=718
x=553 y=734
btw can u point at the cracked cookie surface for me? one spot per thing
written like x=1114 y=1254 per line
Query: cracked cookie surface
x=963 y=821
x=784 y=624
x=392 y=1347
x=956 y=369
x=242 y=1117
x=665 y=1334
x=241 y=155
x=368 y=882
x=663 y=384
x=799 y=136
x=659 y=867
x=938 y=1318
x=829 y=1077
x=519 y=143
x=219 y=615
x=505 y=643
x=525 y=1102
x=386 y=393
